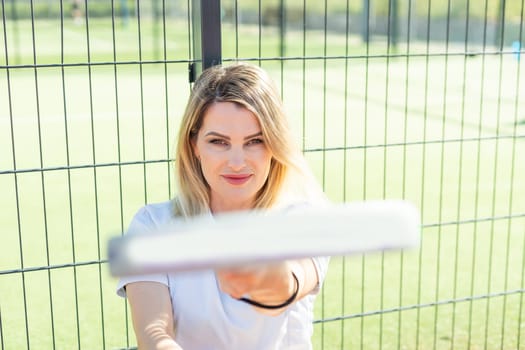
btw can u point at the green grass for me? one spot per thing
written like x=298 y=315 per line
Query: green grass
x=59 y=216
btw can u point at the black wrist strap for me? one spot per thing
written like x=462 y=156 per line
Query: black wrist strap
x=279 y=306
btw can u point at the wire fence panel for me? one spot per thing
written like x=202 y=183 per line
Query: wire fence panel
x=389 y=99
x=88 y=99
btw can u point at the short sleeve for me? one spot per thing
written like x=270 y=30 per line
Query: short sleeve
x=121 y=285
x=146 y=219
x=321 y=267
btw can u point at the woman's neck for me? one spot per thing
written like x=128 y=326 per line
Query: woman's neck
x=223 y=206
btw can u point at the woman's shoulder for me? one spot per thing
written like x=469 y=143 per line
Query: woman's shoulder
x=154 y=215
x=159 y=208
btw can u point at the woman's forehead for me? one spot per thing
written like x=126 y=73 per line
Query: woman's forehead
x=230 y=118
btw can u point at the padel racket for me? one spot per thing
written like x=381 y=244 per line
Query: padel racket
x=253 y=237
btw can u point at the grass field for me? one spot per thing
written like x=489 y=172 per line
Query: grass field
x=446 y=132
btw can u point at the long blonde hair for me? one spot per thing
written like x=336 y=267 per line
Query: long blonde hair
x=251 y=87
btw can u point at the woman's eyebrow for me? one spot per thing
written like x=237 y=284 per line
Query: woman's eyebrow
x=257 y=134
x=214 y=133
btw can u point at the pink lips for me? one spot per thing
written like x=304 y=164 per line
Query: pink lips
x=235 y=179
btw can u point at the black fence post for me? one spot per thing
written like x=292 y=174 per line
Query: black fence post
x=206 y=26
x=499 y=37
x=282 y=28
x=365 y=27
x=393 y=22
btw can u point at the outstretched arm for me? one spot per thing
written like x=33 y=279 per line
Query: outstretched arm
x=152 y=315
x=270 y=284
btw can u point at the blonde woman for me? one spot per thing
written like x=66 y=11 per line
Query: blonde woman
x=235 y=152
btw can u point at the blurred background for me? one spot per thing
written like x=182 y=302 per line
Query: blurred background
x=421 y=100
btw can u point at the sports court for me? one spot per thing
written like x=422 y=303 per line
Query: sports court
x=423 y=101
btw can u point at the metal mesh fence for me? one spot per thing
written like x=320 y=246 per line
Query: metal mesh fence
x=389 y=99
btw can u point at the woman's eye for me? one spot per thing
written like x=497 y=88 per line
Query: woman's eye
x=218 y=142
x=256 y=141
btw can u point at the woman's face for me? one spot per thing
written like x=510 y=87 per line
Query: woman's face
x=233 y=155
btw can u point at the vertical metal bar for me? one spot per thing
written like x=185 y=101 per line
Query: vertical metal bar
x=282 y=29
x=191 y=68
x=365 y=27
x=495 y=174
x=303 y=97
x=236 y=19
x=166 y=94
x=423 y=168
x=38 y=120
x=141 y=83
x=119 y=142
x=15 y=177
x=391 y=45
x=206 y=20
x=460 y=174
x=345 y=161
x=404 y=166
x=516 y=104
x=510 y=205
x=499 y=41
x=282 y=40
x=393 y=22
x=70 y=193
x=522 y=297
x=95 y=185
x=1 y=331
x=93 y=152
x=478 y=173
x=259 y=53
x=365 y=163
x=441 y=177
x=325 y=136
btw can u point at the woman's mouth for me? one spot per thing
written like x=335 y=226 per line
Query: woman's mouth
x=239 y=179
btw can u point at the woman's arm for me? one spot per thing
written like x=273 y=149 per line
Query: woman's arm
x=270 y=284
x=152 y=315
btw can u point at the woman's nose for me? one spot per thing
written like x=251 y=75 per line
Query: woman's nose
x=237 y=158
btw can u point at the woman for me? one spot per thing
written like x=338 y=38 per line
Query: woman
x=235 y=152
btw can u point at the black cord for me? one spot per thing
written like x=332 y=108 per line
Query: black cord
x=280 y=306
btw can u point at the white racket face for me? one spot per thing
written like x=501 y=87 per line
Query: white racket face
x=251 y=237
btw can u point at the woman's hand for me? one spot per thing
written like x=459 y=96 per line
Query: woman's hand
x=269 y=284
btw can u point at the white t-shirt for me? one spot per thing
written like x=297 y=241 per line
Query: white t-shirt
x=207 y=319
